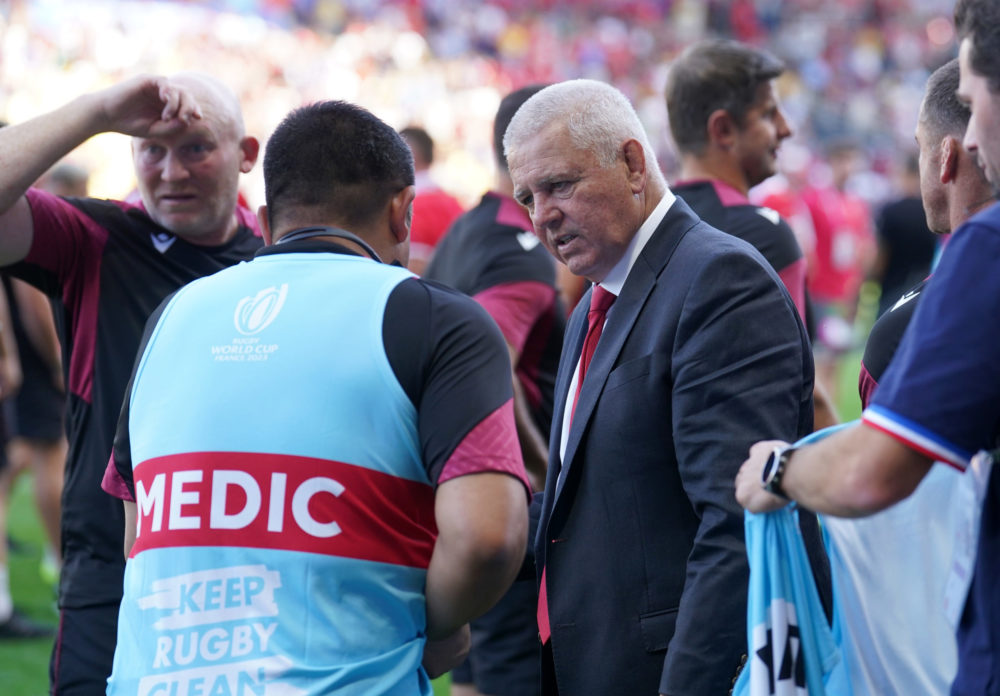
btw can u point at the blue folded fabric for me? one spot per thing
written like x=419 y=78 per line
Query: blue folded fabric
x=791 y=649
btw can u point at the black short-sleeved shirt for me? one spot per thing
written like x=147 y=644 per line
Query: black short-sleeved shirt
x=909 y=246
x=729 y=210
x=491 y=254
x=884 y=339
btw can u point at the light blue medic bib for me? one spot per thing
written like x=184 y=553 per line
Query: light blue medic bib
x=285 y=520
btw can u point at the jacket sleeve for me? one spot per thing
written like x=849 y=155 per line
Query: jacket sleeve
x=741 y=373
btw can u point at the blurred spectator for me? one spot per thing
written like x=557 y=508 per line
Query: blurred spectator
x=905 y=246
x=13 y=624
x=783 y=193
x=853 y=68
x=841 y=259
x=34 y=415
x=66 y=179
x=433 y=209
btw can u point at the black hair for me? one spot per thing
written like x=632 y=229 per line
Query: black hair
x=710 y=75
x=336 y=157
x=979 y=20
x=942 y=111
x=505 y=112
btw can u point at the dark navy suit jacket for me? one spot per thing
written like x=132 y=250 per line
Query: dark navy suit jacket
x=642 y=539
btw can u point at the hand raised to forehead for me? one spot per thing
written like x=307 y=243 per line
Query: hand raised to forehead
x=149 y=106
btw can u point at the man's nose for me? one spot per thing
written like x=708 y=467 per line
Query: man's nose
x=173 y=168
x=970 y=142
x=545 y=215
x=784 y=129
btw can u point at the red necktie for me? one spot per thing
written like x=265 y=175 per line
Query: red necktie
x=600 y=301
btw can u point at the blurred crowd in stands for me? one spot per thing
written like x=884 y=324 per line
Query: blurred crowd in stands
x=856 y=73
x=857 y=67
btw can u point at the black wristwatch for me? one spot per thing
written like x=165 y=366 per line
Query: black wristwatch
x=774 y=470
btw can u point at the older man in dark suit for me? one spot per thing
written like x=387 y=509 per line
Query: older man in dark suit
x=640 y=547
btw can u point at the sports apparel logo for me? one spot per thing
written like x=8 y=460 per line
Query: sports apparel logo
x=254 y=314
x=162 y=241
x=770 y=215
x=527 y=240
x=904 y=299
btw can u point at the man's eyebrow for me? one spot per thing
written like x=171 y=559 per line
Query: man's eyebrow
x=550 y=178
x=522 y=192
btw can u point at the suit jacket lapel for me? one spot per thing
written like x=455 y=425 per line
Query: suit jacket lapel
x=641 y=280
x=576 y=332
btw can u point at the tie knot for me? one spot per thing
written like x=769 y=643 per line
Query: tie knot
x=601 y=300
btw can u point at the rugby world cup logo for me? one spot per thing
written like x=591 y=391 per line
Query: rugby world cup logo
x=254 y=314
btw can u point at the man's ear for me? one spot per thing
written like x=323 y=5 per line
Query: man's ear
x=401 y=213
x=250 y=147
x=635 y=162
x=950 y=149
x=265 y=224
x=720 y=128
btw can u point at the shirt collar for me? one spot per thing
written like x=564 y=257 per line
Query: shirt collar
x=615 y=280
x=307 y=246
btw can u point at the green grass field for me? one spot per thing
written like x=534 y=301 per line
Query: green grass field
x=848 y=401
x=24 y=664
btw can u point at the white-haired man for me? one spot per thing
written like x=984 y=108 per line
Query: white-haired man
x=640 y=546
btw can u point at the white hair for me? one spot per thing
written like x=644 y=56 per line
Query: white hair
x=598 y=117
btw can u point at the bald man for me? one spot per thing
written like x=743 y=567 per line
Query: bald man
x=108 y=264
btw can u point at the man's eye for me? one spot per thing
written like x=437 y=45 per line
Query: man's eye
x=195 y=150
x=153 y=152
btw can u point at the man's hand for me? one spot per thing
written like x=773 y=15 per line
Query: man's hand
x=148 y=106
x=749 y=491
x=445 y=654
